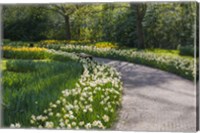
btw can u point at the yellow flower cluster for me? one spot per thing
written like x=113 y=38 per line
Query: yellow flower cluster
x=23 y=49
x=105 y=45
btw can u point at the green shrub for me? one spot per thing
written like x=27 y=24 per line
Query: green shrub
x=6 y=41
x=187 y=50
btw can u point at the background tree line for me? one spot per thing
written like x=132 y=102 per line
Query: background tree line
x=141 y=25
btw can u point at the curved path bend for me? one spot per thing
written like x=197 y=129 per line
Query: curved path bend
x=154 y=100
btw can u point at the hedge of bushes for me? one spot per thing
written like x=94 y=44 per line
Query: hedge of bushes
x=188 y=50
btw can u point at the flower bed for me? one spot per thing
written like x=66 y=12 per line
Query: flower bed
x=24 y=52
x=179 y=65
x=36 y=53
x=93 y=103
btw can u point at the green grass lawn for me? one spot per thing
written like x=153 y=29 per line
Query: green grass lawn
x=168 y=52
x=30 y=85
x=3 y=65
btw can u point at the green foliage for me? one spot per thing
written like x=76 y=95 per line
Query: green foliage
x=30 y=85
x=168 y=25
x=93 y=103
x=36 y=53
x=21 y=66
x=187 y=50
x=25 y=22
x=7 y=42
x=32 y=92
x=62 y=56
x=169 y=62
x=165 y=25
x=125 y=29
x=163 y=51
x=24 y=53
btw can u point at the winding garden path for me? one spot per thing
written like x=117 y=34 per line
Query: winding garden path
x=154 y=100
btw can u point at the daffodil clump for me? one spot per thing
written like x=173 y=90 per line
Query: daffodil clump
x=105 y=45
x=50 y=42
x=91 y=104
x=10 y=52
x=182 y=66
x=24 y=52
x=25 y=49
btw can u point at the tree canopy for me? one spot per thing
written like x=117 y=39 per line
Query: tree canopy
x=141 y=25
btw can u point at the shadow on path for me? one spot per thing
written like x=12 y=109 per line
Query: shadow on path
x=154 y=100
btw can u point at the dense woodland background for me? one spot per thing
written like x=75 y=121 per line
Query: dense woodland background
x=140 y=25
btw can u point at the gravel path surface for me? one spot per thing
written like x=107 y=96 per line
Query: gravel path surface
x=154 y=100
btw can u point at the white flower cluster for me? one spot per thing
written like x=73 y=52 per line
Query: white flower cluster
x=174 y=64
x=16 y=125
x=91 y=104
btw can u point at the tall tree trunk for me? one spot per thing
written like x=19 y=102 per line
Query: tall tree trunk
x=79 y=32
x=140 y=33
x=140 y=10
x=67 y=28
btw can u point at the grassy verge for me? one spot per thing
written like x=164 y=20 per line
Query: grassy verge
x=168 y=53
x=29 y=86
